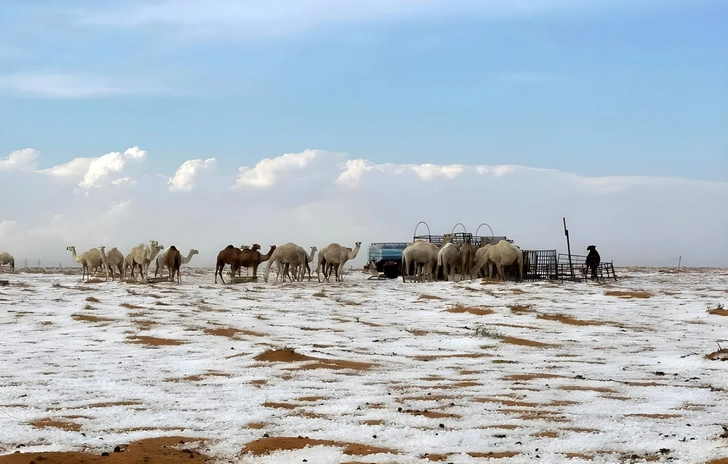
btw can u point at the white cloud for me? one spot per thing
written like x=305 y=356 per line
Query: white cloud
x=124 y=181
x=269 y=171
x=63 y=85
x=433 y=171
x=93 y=172
x=20 y=160
x=184 y=178
x=100 y=168
x=77 y=167
x=135 y=153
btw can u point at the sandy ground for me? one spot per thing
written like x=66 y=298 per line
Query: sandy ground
x=367 y=372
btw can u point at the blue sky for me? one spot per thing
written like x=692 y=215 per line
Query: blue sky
x=594 y=101
x=597 y=88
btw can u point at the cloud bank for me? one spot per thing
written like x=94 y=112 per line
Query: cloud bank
x=315 y=197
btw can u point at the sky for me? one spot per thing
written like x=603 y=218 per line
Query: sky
x=203 y=125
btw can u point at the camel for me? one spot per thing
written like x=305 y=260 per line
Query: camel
x=173 y=261
x=142 y=256
x=104 y=262
x=501 y=254
x=247 y=249
x=252 y=258
x=90 y=259
x=309 y=259
x=466 y=259
x=447 y=257
x=481 y=259
x=129 y=263
x=286 y=256
x=228 y=255
x=160 y=261
x=7 y=258
x=114 y=259
x=424 y=257
x=336 y=255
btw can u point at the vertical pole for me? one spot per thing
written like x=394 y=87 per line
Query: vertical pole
x=568 y=247
x=679 y=261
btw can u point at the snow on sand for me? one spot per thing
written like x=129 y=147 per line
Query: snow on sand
x=369 y=371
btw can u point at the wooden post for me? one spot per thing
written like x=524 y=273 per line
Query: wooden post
x=568 y=247
x=679 y=261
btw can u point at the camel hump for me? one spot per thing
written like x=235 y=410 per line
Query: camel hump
x=229 y=246
x=172 y=248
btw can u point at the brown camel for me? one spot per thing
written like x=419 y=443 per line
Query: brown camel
x=246 y=248
x=173 y=261
x=229 y=255
x=466 y=259
x=253 y=258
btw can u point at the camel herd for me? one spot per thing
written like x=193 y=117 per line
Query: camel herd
x=427 y=259
x=291 y=260
x=141 y=256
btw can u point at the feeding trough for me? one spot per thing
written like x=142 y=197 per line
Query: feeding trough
x=156 y=280
x=3 y=283
x=243 y=279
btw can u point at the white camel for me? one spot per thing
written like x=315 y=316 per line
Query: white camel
x=142 y=256
x=7 y=258
x=502 y=254
x=160 y=261
x=104 y=261
x=447 y=258
x=481 y=259
x=423 y=255
x=286 y=256
x=90 y=259
x=336 y=255
x=114 y=260
x=306 y=266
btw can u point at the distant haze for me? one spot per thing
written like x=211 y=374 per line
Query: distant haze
x=316 y=197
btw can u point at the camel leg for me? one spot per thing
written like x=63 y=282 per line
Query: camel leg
x=219 y=271
x=501 y=272
x=476 y=269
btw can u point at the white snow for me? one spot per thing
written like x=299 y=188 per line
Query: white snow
x=634 y=382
